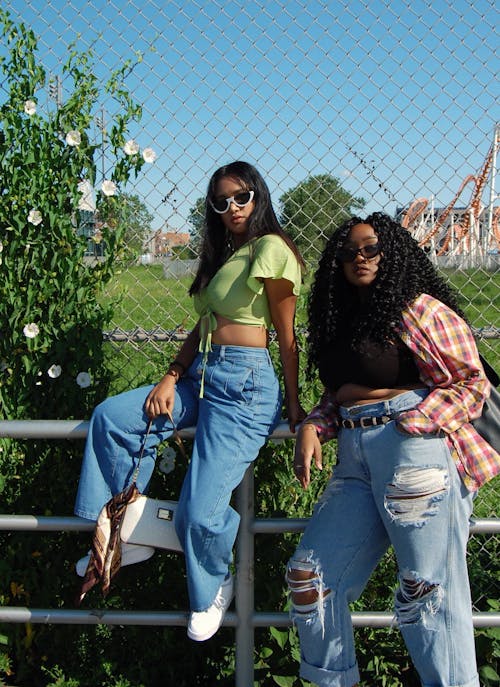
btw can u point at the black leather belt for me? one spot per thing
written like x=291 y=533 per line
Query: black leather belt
x=365 y=422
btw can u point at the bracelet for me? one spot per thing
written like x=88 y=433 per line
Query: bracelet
x=173 y=374
x=179 y=364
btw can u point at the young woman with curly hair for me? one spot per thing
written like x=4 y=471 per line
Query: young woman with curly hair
x=403 y=380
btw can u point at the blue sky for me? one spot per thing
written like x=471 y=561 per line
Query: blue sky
x=397 y=99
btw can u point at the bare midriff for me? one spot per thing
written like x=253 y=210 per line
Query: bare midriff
x=229 y=333
x=357 y=394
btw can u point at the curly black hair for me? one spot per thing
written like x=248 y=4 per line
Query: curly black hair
x=215 y=247
x=404 y=272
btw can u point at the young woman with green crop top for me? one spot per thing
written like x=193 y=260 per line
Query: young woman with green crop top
x=222 y=381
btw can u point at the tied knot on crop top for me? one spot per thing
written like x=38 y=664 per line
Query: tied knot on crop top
x=237 y=291
x=373 y=365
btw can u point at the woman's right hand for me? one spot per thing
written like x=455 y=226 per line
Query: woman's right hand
x=161 y=399
x=307 y=445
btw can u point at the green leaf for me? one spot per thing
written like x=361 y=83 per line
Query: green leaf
x=265 y=652
x=280 y=636
x=283 y=681
x=488 y=673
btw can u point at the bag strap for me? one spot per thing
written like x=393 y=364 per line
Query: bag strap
x=177 y=438
x=491 y=374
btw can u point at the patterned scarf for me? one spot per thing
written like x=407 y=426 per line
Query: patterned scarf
x=106 y=553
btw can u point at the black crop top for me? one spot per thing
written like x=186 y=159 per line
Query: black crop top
x=379 y=369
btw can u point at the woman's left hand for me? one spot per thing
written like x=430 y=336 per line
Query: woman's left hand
x=307 y=448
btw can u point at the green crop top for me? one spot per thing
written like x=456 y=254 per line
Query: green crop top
x=237 y=292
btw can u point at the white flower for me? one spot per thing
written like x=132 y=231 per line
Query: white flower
x=131 y=147
x=1 y=246
x=167 y=462
x=149 y=155
x=35 y=217
x=83 y=379
x=73 y=138
x=54 y=371
x=30 y=107
x=31 y=330
x=87 y=199
x=108 y=188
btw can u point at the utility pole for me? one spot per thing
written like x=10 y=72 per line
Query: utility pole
x=493 y=193
x=55 y=90
x=101 y=123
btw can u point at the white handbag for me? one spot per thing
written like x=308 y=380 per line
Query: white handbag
x=150 y=522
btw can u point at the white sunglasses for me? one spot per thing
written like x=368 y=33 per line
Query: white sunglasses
x=222 y=205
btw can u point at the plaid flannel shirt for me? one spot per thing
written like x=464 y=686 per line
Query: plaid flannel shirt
x=447 y=359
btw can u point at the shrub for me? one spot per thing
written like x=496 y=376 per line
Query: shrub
x=51 y=312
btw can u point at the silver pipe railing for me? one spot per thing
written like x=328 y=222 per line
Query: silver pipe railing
x=245 y=619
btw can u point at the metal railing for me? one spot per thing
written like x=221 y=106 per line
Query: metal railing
x=245 y=619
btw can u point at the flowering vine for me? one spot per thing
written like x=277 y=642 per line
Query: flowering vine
x=50 y=296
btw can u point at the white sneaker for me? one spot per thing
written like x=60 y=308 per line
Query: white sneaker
x=204 y=624
x=131 y=553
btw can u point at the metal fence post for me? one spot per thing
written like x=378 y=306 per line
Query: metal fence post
x=244 y=673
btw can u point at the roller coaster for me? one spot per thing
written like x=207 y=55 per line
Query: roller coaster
x=473 y=230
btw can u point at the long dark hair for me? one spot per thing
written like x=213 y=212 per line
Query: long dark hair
x=404 y=272
x=215 y=247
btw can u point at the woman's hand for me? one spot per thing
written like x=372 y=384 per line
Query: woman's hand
x=160 y=400
x=295 y=413
x=307 y=446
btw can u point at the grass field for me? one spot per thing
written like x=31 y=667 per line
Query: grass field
x=148 y=300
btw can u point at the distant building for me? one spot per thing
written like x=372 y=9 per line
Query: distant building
x=162 y=242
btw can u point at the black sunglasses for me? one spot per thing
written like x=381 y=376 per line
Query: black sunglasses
x=345 y=254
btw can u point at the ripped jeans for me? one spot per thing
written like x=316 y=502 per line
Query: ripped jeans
x=388 y=488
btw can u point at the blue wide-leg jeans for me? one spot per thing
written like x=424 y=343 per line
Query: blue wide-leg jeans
x=240 y=408
x=389 y=488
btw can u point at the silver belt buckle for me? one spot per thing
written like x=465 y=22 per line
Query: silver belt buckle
x=365 y=422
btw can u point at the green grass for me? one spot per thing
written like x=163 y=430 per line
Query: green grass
x=147 y=300
x=479 y=293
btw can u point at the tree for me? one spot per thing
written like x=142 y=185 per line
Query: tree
x=313 y=209
x=132 y=218
x=196 y=219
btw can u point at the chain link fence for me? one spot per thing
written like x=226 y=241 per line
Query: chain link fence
x=343 y=106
